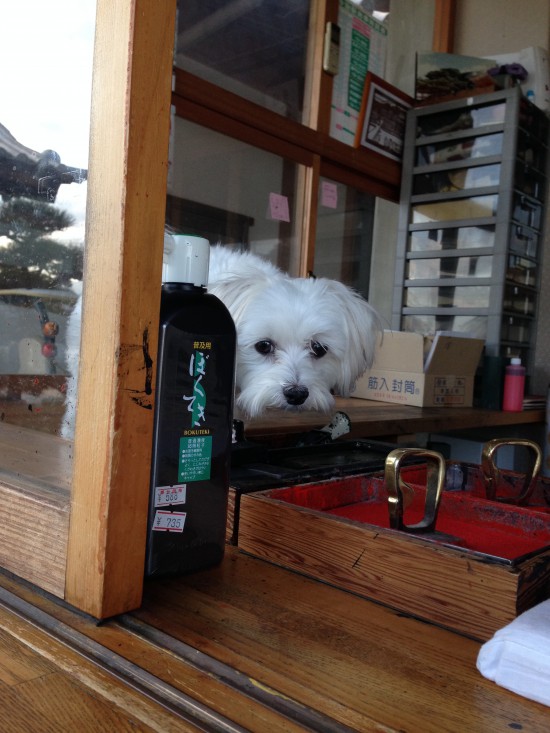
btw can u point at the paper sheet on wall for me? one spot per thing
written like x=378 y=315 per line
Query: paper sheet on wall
x=362 y=48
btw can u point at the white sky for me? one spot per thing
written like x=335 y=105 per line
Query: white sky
x=46 y=51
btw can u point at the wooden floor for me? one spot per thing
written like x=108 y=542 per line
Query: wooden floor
x=246 y=646
x=46 y=687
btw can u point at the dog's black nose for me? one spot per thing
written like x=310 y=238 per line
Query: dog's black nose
x=296 y=395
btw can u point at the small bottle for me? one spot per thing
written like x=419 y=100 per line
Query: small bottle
x=514 y=386
x=193 y=416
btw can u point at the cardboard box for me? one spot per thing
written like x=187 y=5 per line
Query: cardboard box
x=402 y=374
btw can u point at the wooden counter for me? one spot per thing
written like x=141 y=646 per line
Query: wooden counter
x=41 y=457
x=360 y=664
x=271 y=650
x=36 y=470
x=371 y=419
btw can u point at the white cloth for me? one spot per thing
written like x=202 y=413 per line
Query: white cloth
x=518 y=655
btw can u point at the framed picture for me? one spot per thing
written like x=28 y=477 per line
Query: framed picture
x=381 y=124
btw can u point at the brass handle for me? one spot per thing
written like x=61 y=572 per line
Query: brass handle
x=435 y=464
x=491 y=474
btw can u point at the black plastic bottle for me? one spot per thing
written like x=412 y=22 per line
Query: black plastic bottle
x=193 y=416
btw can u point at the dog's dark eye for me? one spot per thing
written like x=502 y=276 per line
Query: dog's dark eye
x=265 y=347
x=317 y=349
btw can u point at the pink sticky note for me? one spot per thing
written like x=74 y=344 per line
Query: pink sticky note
x=329 y=194
x=278 y=207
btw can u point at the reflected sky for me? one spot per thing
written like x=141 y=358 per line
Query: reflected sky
x=46 y=53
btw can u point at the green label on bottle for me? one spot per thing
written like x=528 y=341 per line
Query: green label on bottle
x=195 y=458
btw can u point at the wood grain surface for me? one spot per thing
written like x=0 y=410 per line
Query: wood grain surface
x=359 y=664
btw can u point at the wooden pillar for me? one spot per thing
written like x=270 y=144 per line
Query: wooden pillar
x=444 y=26
x=123 y=262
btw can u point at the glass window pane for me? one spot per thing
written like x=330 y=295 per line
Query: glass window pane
x=233 y=193
x=521 y=270
x=457 y=179
x=451 y=238
x=449 y=296
x=516 y=329
x=527 y=212
x=530 y=181
x=523 y=241
x=447 y=152
x=530 y=152
x=475 y=326
x=343 y=244
x=470 y=208
x=447 y=267
x=457 y=120
x=254 y=49
x=519 y=300
x=44 y=133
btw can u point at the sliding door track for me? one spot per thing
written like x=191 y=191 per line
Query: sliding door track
x=162 y=693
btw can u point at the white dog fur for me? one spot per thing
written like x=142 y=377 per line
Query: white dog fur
x=300 y=340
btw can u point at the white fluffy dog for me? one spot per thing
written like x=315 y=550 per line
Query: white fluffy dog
x=300 y=340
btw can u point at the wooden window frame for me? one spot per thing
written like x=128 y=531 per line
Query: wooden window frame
x=87 y=544
x=308 y=143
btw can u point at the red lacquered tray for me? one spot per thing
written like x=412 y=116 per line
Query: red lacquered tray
x=480 y=564
x=501 y=531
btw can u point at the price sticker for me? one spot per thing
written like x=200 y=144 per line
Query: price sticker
x=169 y=521
x=168 y=495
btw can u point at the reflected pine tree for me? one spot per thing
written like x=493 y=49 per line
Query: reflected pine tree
x=29 y=256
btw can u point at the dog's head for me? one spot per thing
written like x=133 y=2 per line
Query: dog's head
x=299 y=340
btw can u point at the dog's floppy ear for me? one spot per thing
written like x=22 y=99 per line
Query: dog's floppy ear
x=237 y=292
x=363 y=329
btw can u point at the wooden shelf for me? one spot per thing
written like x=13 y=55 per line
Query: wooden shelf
x=371 y=419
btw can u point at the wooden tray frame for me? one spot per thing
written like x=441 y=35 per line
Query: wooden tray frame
x=452 y=588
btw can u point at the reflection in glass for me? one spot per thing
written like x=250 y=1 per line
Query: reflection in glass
x=519 y=300
x=530 y=151
x=453 y=121
x=343 y=244
x=233 y=193
x=449 y=267
x=425 y=240
x=469 y=208
x=449 y=152
x=523 y=241
x=475 y=326
x=456 y=179
x=44 y=132
x=448 y=297
x=529 y=181
x=516 y=329
x=254 y=49
x=527 y=212
x=531 y=119
x=522 y=271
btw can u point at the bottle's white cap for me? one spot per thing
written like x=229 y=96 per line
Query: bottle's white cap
x=515 y=360
x=186 y=259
